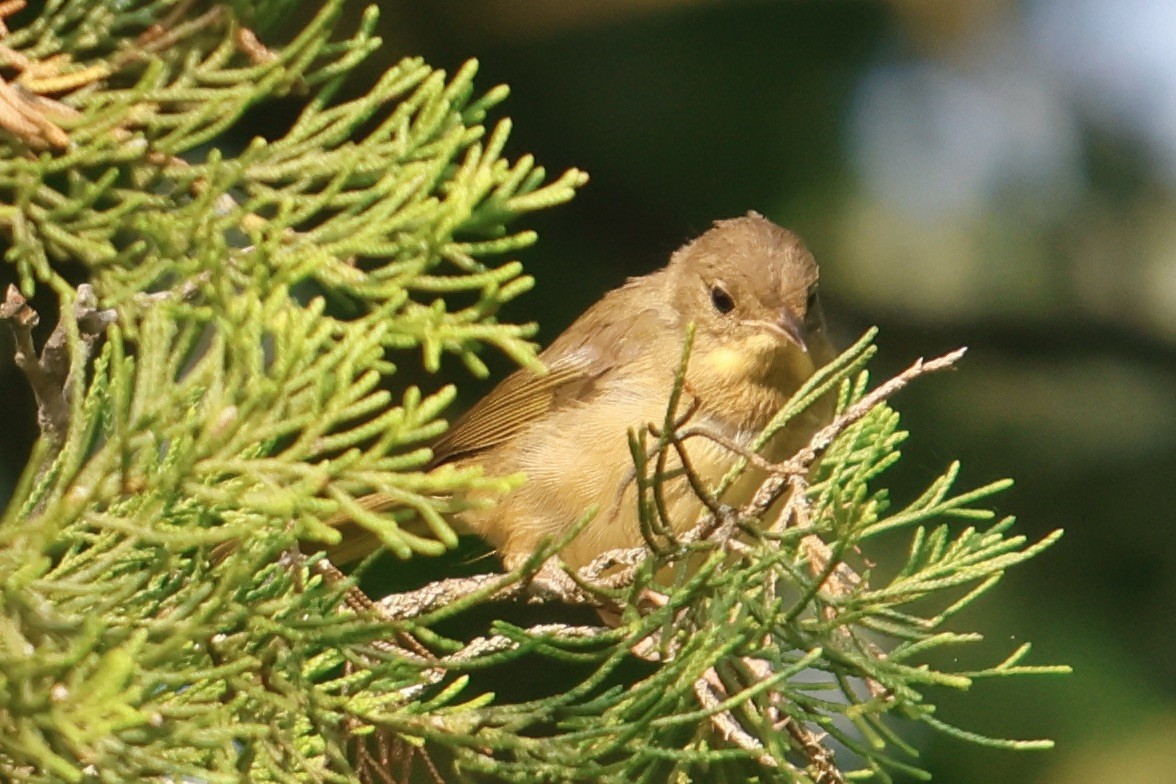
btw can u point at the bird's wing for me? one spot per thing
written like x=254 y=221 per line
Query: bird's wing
x=520 y=399
x=610 y=335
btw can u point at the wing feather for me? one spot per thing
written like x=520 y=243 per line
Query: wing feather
x=608 y=335
x=520 y=399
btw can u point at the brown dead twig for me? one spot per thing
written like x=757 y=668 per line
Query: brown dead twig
x=7 y=9
x=33 y=118
x=51 y=374
x=26 y=111
x=554 y=582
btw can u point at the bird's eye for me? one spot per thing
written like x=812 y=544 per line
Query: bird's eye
x=811 y=302
x=721 y=299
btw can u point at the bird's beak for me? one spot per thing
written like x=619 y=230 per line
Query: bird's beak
x=792 y=327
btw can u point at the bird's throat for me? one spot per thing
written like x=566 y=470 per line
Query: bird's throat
x=746 y=385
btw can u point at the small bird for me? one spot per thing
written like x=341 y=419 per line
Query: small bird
x=750 y=288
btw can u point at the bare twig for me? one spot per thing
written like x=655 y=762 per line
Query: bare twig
x=711 y=694
x=785 y=475
x=49 y=374
x=248 y=42
x=28 y=117
x=819 y=756
x=435 y=595
x=548 y=584
x=185 y=292
x=497 y=643
x=438 y=666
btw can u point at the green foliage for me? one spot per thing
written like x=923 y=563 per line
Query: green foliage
x=158 y=622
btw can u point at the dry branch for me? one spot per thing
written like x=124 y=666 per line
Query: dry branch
x=49 y=374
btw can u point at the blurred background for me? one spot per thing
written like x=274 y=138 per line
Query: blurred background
x=988 y=173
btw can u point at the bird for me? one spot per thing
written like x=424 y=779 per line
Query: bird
x=749 y=287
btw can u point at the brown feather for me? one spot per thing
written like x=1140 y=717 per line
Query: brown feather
x=521 y=398
x=606 y=336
